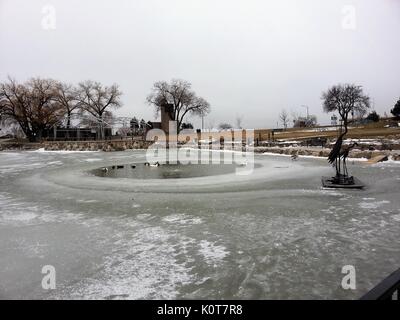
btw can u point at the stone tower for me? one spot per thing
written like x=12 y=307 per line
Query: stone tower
x=167 y=110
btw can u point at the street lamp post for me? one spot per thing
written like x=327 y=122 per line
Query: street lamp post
x=308 y=115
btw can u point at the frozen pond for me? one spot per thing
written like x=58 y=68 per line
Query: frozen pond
x=272 y=234
x=164 y=171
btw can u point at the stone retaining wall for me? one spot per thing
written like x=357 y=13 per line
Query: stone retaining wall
x=77 y=145
x=139 y=144
x=323 y=152
x=96 y=145
x=19 y=146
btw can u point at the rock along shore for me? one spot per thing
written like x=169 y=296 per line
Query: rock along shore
x=113 y=145
x=117 y=145
x=324 y=152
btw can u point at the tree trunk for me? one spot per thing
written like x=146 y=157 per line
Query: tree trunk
x=31 y=138
x=68 y=119
x=100 y=127
x=68 y=124
x=39 y=134
x=28 y=132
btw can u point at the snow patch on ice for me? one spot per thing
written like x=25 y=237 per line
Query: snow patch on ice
x=310 y=157
x=211 y=252
x=144 y=216
x=93 y=160
x=19 y=216
x=372 y=205
x=144 y=266
x=55 y=163
x=14 y=211
x=43 y=150
x=182 y=219
x=87 y=201
x=396 y=217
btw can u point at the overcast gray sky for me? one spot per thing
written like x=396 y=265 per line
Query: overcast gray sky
x=249 y=58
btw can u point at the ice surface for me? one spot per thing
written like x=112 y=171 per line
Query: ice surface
x=272 y=234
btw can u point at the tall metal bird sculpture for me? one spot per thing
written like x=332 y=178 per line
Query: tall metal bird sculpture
x=339 y=152
x=336 y=157
x=344 y=153
x=333 y=156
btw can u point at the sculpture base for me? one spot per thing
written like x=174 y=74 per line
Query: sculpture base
x=344 y=182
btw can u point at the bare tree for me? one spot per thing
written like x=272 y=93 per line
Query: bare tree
x=224 y=126
x=178 y=93
x=33 y=105
x=3 y=117
x=305 y=122
x=396 y=109
x=89 y=121
x=7 y=124
x=284 y=117
x=239 y=120
x=67 y=96
x=359 y=114
x=210 y=124
x=345 y=99
x=96 y=99
x=295 y=115
x=124 y=131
